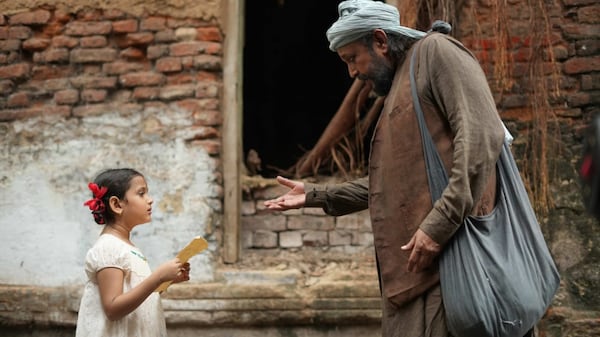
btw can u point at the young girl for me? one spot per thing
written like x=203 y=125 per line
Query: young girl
x=119 y=298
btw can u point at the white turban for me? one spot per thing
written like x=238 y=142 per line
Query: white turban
x=359 y=17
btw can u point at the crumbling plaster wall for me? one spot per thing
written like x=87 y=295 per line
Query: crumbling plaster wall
x=84 y=96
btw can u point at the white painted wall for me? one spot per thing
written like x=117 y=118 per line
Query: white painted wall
x=45 y=165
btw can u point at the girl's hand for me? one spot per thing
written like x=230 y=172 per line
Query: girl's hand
x=183 y=274
x=170 y=270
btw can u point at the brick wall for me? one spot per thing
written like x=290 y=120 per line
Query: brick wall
x=82 y=64
x=308 y=228
x=570 y=37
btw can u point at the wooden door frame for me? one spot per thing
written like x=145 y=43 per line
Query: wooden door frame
x=231 y=153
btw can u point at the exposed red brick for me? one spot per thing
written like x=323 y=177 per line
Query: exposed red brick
x=587 y=47
x=6 y=87
x=45 y=72
x=62 y=16
x=187 y=62
x=121 y=96
x=4 y=33
x=10 y=45
x=68 y=96
x=578 y=65
x=93 y=95
x=94 y=82
x=214 y=48
x=14 y=114
x=207 y=117
x=180 y=78
x=113 y=14
x=165 y=36
x=178 y=91
x=209 y=34
x=36 y=44
x=19 y=32
x=36 y=17
x=146 y=93
x=154 y=23
x=52 y=55
x=53 y=28
x=210 y=103
x=145 y=78
x=205 y=76
x=14 y=71
x=65 y=41
x=90 y=69
x=590 y=81
x=45 y=87
x=132 y=53
x=139 y=39
x=580 y=31
x=207 y=90
x=125 y=26
x=2 y=20
x=102 y=108
x=207 y=62
x=581 y=99
x=198 y=105
x=13 y=57
x=156 y=51
x=168 y=64
x=90 y=14
x=190 y=105
x=188 y=22
x=522 y=55
x=189 y=48
x=93 y=55
x=589 y=14
x=97 y=41
x=122 y=67
x=91 y=110
x=80 y=28
x=17 y=100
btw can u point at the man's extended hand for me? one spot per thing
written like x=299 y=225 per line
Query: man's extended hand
x=423 y=251
x=294 y=198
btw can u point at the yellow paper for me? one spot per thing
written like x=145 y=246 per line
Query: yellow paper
x=197 y=245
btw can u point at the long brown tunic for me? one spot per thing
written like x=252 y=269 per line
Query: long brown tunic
x=463 y=121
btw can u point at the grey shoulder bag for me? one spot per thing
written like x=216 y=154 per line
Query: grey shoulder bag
x=497 y=275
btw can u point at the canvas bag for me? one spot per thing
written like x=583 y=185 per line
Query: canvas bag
x=497 y=276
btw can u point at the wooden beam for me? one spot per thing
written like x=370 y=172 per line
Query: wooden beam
x=231 y=153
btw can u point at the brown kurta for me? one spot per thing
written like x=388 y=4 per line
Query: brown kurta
x=461 y=116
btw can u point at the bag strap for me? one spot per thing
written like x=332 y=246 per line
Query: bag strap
x=436 y=172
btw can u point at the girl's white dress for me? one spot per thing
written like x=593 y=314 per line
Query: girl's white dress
x=145 y=321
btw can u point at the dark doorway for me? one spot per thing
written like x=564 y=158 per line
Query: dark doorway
x=293 y=83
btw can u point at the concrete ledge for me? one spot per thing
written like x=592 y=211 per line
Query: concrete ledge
x=263 y=303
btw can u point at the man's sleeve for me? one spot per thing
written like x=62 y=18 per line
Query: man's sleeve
x=339 y=199
x=458 y=86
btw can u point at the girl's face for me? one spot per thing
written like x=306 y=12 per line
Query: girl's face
x=137 y=204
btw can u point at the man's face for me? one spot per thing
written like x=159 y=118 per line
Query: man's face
x=368 y=63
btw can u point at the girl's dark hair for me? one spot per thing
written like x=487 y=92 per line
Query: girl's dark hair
x=117 y=182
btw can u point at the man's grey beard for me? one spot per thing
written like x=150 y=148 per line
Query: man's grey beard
x=382 y=76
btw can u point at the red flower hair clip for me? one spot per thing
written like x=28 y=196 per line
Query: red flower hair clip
x=96 y=204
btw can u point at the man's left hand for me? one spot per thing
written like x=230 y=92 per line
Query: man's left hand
x=423 y=251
